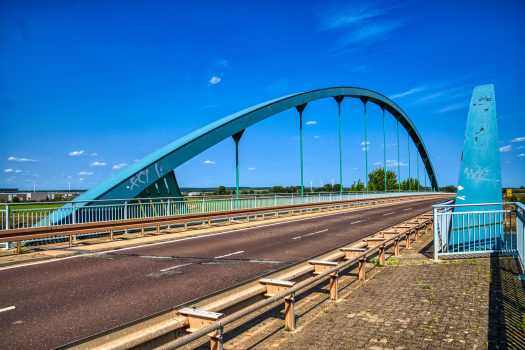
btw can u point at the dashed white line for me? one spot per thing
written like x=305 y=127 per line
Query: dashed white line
x=407 y=209
x=7 y=308
x=174 y=267
x=389 y=213
x=223 y=256
x=311 y=234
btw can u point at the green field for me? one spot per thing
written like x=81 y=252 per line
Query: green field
x=32 y=206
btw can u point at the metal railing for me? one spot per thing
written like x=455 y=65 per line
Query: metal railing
x=22 y=215
x=479 y=229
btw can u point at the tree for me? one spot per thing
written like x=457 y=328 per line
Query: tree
x=376 y=180
x=358 y=187
x=448 y=188
x=290 y=189
x=221 y=190
x=410 y=184
x=15 y=199
x=278 y=189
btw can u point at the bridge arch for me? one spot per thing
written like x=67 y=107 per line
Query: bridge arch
x=152 y=170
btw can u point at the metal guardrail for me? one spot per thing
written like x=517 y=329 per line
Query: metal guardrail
x=21 y=215
x=71 y=230
x=486 y=228
x=177 y=321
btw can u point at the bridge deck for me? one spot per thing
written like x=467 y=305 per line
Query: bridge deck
x=65 y=300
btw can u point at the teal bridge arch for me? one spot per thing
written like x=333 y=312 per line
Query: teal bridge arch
x=153 y=175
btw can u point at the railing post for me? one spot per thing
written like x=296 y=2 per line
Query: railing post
x=289 y=311
x=255 y=196
x=125 y=215
x=7 y=222
x=169 y=208
x=275 y=200
x=202 y=211
x=334 y=280
x=231 y=202
x=362 y=268
x=436 y=238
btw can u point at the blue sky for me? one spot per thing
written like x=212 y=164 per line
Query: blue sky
x=88 y=87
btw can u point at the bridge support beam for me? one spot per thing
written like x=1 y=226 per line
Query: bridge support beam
x=339 y=99
x=237 y=137
x=300 y=109
x=365 y=100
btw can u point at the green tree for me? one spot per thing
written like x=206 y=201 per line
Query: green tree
x=290 y=189
x=376 y=180
x=15 y=199
x=358 y=187
x=221 y=190
x=410 y=184
x=278 y=189
x=448 y=188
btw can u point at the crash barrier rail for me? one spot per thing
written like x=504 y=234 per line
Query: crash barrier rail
x=69 y=231
x=22 y=215
x=467 y=229
x=207 y=316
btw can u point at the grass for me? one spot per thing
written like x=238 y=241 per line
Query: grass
x=32 y=206
x=425 y=287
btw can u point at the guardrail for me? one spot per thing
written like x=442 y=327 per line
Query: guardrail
x=46 y=232
x=209 y=315
x=22 y=215
x=486 y=228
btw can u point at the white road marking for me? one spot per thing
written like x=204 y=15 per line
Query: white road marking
x=407 y=209
x=7 y=308
x=196 y=237
x=311 y=234
x=174 y=267
x=223 y=256
x=389 y=213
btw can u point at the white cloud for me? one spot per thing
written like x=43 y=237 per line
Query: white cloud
x=18 y=171
x=409 y=92
x=520 y=147
x=9 y=170
x=453 y=107
x=278 y=87
x=93 y=154
x=69 y=177
x=316 y=137
x=251 y=168
x=518 y=139
x=378 y=163
x=84 y=173
x=81 y=179
x=311 y=122
x=21 y=159
x=76 y=153
x=136 y=160
x=209 y=162
x=364 y=149
x=368 y=142
x=215 y=80
x=97 y=164
x=505 y=148
x=120 y=166
x=219 y=62
x=521 y=155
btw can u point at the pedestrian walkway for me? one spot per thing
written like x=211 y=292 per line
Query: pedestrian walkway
x=411 y=303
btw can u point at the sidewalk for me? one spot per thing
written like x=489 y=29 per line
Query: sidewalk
x=410 y=304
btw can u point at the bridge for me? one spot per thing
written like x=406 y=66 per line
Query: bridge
x=146 y=253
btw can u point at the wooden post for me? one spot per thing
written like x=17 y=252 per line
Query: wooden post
x=70 y=240
x=396 y=247
x=408 y=240
x=289 y=311
x=417 y=235
x=263 y=216
x=142 y=231
x=362 y=269
x=382 y=255
x=277 y=214
x=158 y=229
x=248 y=217
x=185 y=226
x=426 y=228
x=209 y=222
x=334 y=279
x=216 y=342
x=19 y=247
x=110 y=235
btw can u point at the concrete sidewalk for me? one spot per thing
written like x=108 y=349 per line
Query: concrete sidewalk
x=409 y=304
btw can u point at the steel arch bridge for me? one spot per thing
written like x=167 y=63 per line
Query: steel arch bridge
x=153 y=176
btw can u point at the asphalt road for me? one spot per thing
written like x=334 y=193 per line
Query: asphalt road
x=65 y=300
